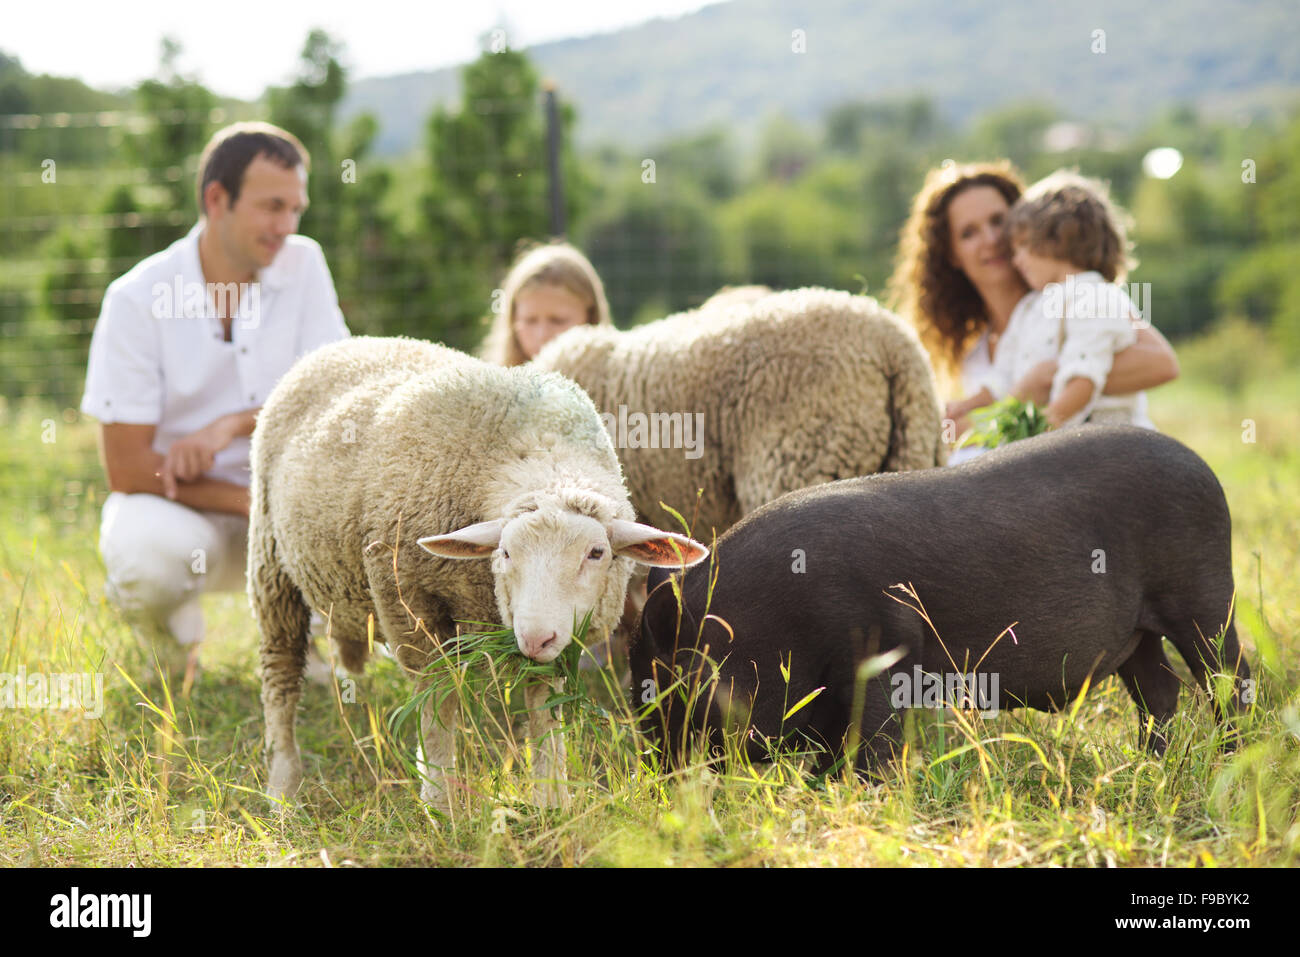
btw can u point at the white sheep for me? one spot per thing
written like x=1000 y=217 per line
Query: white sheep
x=371 y=447
x=754 y=396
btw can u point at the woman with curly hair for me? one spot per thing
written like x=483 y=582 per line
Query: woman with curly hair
x=550 y=288
x=955 y=282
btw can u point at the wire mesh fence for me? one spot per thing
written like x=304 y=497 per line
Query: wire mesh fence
x=418 y=243
x=409 y=253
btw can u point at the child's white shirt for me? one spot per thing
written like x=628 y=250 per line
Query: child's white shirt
x=1097 y=319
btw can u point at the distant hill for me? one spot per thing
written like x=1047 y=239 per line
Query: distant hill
x=732 y=63
x=21 y=92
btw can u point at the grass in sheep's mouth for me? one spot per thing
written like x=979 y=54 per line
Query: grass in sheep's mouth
x=485 y=667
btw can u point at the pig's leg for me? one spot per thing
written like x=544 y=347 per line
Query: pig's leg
x=1195 y=638
x=1151 y=681
x=881 y=728
x=879 y=722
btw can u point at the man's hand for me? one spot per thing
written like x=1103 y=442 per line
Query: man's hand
x=190 y=457
x=133 y=467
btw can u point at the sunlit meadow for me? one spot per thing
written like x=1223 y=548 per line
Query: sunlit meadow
x=173 y=775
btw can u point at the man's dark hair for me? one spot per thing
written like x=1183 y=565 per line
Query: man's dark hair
x=231 y=149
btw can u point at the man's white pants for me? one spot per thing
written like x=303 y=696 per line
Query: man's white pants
x=159 y=557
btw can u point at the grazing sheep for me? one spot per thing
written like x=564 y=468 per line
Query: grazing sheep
x=370 y=455
x=754 y=397
x=1042 y=565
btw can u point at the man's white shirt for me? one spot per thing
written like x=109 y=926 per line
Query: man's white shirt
x=158 y=355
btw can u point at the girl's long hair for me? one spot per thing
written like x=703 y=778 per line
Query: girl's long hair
x=553 y=264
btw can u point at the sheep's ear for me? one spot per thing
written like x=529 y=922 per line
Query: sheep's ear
x=652 y=546
x=472 y=541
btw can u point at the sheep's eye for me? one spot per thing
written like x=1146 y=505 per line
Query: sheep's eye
x=505 y=554
x=596 y=554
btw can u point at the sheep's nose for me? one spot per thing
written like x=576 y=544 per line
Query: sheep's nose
x=533 y=645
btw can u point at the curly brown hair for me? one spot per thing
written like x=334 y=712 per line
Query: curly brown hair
x=926 y=288
x=1072 y=218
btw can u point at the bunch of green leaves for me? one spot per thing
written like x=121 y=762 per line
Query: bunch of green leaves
x=1006 y=420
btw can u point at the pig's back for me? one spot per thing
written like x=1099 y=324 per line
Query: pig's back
x=1066 y=534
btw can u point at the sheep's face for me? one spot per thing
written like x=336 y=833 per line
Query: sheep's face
x=551 y=569
x=553 y=566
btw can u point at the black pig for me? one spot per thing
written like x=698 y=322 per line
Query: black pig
x=1080 y=549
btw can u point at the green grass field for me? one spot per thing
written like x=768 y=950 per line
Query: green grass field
x=173 y=777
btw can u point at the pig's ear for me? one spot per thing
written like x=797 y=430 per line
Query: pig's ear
x=651 y=546
x=472 y=541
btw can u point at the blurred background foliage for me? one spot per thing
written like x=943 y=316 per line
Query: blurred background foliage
x=418 y=241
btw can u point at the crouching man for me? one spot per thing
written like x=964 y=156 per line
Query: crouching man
x=187 y=347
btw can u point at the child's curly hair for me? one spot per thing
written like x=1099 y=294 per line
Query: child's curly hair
x=549 y=264
x=1071 y=218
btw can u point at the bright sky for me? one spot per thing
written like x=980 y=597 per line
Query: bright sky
x=238 y=47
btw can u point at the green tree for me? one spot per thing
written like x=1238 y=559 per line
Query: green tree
x=307 y=109
x=858 y=126
x=785 y=149
x=1264 y=285
x=14 y=94
x=657 y=246
x=488 y=187
x=1015 y=132
x=704 y=159
x=374 y=265
x=780 y=236
x=58 y=339
x=178 y=111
